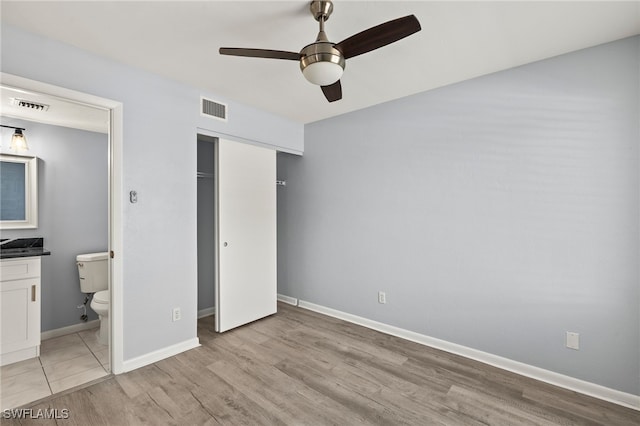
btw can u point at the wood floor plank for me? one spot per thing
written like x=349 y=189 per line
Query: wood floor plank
x=371 y=379
x=223 y=402
x=496 y=410
x=267 y=384
x=273 y=406
x=351 y=397
x=348 y=343
x=300 y=367
x=82 y=411
x=585 y=407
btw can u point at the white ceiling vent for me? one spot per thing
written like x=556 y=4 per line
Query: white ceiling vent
x=213 y=109
x=23 y=103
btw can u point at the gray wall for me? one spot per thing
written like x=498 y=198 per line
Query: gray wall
x=160 y=121
x=497 y=213
x=206 y=224
x=72 y=211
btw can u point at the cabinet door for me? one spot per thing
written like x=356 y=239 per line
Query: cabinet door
x=20 y=314
x=246 y=220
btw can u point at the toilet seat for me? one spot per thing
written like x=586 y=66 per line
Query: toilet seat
x=101 y=297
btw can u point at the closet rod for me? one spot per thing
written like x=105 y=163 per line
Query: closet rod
x=205 y=175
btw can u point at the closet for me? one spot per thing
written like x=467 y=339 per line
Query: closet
x=243 y=253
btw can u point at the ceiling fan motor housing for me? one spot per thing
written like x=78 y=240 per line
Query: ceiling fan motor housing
x=321 y=9
x=321 y=63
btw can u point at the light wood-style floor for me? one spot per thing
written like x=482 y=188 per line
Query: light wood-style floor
x=298 y=367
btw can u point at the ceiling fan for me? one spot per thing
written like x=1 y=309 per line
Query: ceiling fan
x=322 y=62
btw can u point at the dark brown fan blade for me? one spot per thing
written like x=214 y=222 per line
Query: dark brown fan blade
x=333 y=92
x=378 y=36
x=260 y=53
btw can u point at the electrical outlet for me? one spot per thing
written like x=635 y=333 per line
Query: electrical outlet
x=177 y=315
x=382 y=297
x=573 y=340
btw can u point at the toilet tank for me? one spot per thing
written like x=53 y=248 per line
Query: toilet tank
x=92 y=269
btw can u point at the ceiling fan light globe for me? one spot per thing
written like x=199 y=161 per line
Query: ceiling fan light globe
x=321 y=63
x=323 y=73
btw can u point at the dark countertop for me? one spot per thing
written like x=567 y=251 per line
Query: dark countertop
x=23 y=252
x=11 y=248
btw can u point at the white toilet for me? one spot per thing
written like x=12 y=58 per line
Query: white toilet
x=93 y=272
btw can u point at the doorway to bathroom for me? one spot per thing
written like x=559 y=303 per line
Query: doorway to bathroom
x=80 y=173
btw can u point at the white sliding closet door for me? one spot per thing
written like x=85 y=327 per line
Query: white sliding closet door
x=246 y=243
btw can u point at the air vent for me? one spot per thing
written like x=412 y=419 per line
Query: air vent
x=23 y=103
x=213 y=109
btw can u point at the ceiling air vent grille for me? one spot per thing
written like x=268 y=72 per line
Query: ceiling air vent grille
x=22 y=103
x=213 y=109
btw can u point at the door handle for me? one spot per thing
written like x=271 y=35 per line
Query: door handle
x=33 y=293
x=225 y=244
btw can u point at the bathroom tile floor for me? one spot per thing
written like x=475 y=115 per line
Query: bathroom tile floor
x=64 y=362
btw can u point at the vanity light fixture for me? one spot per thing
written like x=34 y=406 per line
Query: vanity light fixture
x=18 y=140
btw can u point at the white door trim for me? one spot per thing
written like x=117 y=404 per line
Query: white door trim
x=115 y=197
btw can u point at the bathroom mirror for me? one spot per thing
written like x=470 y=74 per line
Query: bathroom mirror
x=18 y=192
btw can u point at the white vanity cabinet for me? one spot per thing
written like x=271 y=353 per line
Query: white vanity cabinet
x=20 y=309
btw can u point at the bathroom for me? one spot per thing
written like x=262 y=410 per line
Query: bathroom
x=73 y=193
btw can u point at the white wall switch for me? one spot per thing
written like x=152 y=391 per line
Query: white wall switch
x=573 y=340
x=382 y=297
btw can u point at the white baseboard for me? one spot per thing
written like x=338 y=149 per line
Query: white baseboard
x=160 y=354
x=50 y=334
x=206 y=312
x=557 y=379
x=20 y=355
x=288 y=299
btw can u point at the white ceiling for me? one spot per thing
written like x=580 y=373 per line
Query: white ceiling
x=458 y=41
